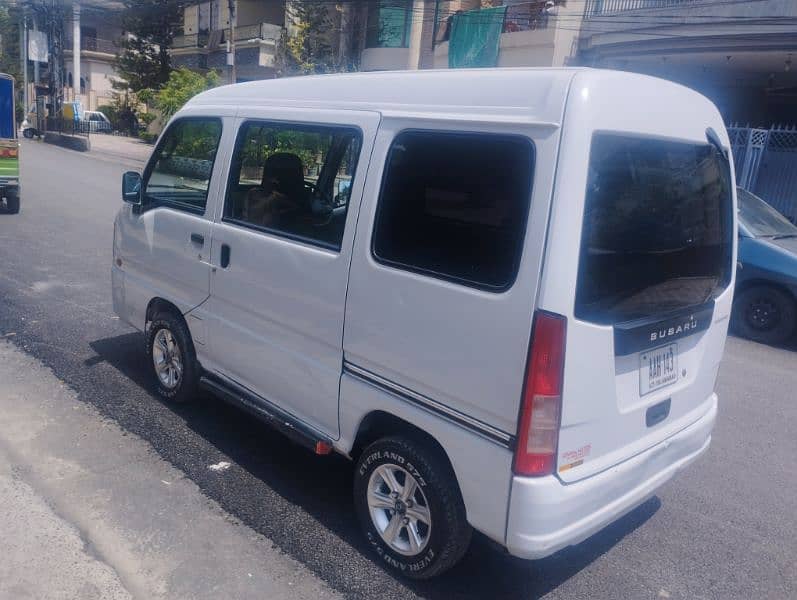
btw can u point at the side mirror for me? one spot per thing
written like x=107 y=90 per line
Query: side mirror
x=131 y=188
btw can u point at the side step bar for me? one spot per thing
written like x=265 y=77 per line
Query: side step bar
x=265 y=411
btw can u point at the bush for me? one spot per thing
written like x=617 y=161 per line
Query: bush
x=149 y=138
x=181 y=87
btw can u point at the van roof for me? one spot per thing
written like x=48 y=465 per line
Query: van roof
x=511 y=95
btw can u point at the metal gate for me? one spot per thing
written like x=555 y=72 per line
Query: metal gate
x=766 y=164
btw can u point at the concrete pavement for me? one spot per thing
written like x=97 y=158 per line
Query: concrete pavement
x=89 y=511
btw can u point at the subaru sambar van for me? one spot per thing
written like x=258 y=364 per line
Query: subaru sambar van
x=504 y=294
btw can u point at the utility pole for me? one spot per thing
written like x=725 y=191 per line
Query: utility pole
x=23 y=55
x=35 y=62
x=231 y=43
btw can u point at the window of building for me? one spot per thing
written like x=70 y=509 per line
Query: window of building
x=293 y=180
x=455 y=206
x=389 y=24
x=182 y=164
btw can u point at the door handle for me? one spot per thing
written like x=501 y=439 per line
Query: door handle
x=198 y=238
x=225 y=256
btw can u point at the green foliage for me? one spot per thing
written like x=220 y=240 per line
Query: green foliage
x=181 y=86
x=146 y=119
x=262 y=142
x=144 y=61
x=122 y=112
x=308 y=49
x=149 y=138
x=9 y=51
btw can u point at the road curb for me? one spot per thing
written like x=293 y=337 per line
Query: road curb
x=70 y=142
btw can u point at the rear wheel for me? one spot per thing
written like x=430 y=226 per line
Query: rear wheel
x=173 y=358
x=764 y=314
x=409 y=505
x=29 y=133
x=12 y=201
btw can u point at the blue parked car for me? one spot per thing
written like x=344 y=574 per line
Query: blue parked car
x=765 y=306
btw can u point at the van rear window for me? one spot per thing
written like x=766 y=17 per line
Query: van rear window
x=657 y=233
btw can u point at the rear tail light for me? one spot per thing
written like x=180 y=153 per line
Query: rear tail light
x=538 y=429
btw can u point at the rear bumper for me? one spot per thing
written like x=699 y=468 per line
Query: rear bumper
x=546 y=515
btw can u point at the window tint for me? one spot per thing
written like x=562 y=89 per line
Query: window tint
x=183 y=164
x=455 y=205
x=657 y=228
x=293 y=180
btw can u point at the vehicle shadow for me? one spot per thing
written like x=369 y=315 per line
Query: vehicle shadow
x=321 y=486
x=790 y=344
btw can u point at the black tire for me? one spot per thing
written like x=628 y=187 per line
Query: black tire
x=764 y=314
x=12 y=202
x=186 y=387
x=449 y=533
x=29 y=133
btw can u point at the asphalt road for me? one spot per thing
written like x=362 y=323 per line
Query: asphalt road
x=724 y=529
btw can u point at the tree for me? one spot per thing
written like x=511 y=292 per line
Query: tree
x=9 y=51
x=306 y=45
x=181 y=86
x=144 y=61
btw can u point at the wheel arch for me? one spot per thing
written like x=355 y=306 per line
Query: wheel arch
x=379 y=423
x=742 y=286
x=158 y=305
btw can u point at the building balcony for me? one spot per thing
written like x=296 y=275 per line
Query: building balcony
x=92 y=47
x=615 y=27
x=527 y=39
x=255 y=49
x=244 y=34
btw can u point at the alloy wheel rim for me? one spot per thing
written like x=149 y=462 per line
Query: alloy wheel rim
x=399 y=510
x=167 y=359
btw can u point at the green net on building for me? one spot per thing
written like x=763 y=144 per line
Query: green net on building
x=475 y=38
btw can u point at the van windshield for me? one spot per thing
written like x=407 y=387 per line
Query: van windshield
x=657 y=228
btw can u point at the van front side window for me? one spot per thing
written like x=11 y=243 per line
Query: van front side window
x=183 y=164
x=293 y=180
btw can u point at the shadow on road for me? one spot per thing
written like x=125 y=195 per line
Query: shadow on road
x=322 y=488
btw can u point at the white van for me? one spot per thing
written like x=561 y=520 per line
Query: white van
x=503 y=293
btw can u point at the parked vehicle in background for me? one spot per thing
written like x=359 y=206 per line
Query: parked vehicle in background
x=765 y=307
x=535 y=286
x=94 y=121
x=34 y=123
x=9 y=146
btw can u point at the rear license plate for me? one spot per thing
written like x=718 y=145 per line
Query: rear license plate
x=658 y=368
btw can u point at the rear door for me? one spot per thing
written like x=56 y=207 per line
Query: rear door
x=647 y=285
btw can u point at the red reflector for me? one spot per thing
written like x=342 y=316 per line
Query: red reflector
x=323 y=447
x=538 y=430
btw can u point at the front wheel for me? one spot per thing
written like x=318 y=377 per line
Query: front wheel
x=173 y=358
x=410 y=507
x=29 y=133
x=764 y=314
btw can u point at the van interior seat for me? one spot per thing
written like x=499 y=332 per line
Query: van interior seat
x=283 y=173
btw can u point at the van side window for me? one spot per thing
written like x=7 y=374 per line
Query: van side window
x=293 y=180
x=180 y=170
x=455 y=206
